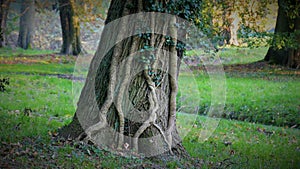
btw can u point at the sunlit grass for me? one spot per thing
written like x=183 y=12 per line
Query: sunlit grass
x=234 y=55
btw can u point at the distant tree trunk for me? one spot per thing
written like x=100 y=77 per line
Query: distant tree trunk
x=27 y=21
x=4 y=7
x=294 y=54
x=286 y=56
x=234 y=26
x=70 y=28
x=151 y=106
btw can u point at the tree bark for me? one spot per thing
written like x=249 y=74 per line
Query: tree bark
x=70 y=28
x=136 y=96
x=26 y=24
x=286 y=56
x=4 y=7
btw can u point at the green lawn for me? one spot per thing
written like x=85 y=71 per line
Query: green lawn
x=243 y=145
x=34 y=106
x=235 y=55
x=13 y=52
x=53 y=68
x=266 y=99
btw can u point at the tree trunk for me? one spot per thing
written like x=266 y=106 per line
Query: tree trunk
x=4 y=7
x=285 y=56
x=26 y=23
x=70 y=28
x=134 y=87
x=294 y=54
x=234 y=26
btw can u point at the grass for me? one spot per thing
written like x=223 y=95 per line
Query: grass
x=236 y=55
x=13 y=52
x=26 y=142
x=244 y=145
x=53 y=68
x=267 y=99
x=33 y=107
x=45 y=97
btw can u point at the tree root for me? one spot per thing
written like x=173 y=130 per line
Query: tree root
x=152 y=117
x=173 y=78
x=121 y=92
x=110 y=95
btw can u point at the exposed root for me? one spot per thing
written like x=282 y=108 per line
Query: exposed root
x=152 y=117
x=159 y=46
x=168 y=141
x=134 y=47
x=153 y=108
x=121 y=92
x=110 y=96
x=173 y=79
x=96 y=127
x=153 y=98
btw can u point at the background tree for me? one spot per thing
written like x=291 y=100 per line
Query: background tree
x=285 y=49
x=90 y=10
x=70 y=27
x=158 y=109
x=73 y=15
x=229 y=18
x=4 y=7
x=27 y=21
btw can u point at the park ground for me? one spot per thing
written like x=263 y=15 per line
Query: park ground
x=259 y=126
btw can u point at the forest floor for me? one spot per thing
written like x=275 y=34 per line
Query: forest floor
x=260 y=128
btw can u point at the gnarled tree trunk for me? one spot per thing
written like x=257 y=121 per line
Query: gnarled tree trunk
x=26 y=23
x=70 y=28
x=134 y=85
